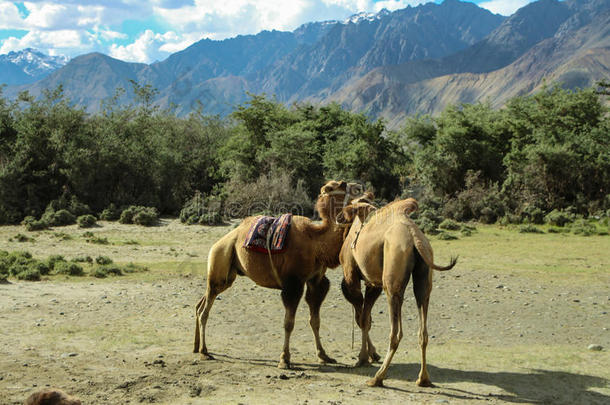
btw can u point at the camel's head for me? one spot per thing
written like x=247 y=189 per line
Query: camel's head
x=361 y=206
x=334 y=195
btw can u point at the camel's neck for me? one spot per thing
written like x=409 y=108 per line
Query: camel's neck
x=329 y=235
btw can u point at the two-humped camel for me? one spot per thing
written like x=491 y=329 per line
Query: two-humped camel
x=311 y=249
x=384 y=248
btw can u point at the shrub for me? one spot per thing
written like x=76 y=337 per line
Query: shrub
x=103 y=271
x=446 y=236
x=40 y=266
x=202 y=210
x=58 y=218
x=532 y=214
x=449 y=225
x=103 y=260
x=146 y=216
x=583 y=228
x=270 y=194
x=112 y=213
x=86 y=221
x=71 y=269
x=62 y=235
x=22 y=238
x=98 y=240
x=53 y=260
x=528 y=228
x=83 y=259
x=558 y=218
x=134 y=268
x=29 y=274
x=31 y=224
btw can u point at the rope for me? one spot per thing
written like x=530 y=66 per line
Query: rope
x=276 y=275
x=353 y=322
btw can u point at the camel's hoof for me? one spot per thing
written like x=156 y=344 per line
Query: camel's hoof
x=325 y=359
x=424 y=383
x=374 y=357
x=283 y=365
x=207 y=356
x=362 y=363
x=374 y=382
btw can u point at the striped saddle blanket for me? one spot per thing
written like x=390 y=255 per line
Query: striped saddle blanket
x=269 y=232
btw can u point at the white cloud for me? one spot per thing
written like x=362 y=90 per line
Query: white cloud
x=149 y=47
x=504 y=7
x=9 y=16
x=52 y=42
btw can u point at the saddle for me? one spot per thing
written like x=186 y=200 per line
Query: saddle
x=269 y=234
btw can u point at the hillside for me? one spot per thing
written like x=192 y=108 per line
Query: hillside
x=390 y=64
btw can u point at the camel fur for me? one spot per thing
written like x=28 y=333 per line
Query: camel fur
x=384 y=248
x=51 y=396
x=311 y=249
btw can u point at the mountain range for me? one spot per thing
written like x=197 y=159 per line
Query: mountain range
x=390 y=64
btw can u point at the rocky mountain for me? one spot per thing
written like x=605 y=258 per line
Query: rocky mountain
x=575 y=52
x=28 y=66
x=390 y=64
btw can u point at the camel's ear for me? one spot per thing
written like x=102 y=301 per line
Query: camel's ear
x=369 y=195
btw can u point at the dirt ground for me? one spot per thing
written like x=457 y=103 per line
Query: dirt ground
x=496 y=336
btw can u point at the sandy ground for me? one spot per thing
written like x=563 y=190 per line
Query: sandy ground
x=496 y=337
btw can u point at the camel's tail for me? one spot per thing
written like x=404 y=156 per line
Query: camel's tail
x=422 y=244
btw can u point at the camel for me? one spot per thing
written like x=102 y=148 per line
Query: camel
x=311 y=249
x=384 y=248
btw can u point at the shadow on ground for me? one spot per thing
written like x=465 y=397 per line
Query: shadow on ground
x=532 y=386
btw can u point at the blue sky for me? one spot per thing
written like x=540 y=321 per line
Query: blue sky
x=149 y=30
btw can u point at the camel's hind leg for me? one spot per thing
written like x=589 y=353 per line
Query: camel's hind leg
x=422 y=286
x=292 y=291
x=397 y=268
x=370 y=297
x=316 y=292
x=220 y=277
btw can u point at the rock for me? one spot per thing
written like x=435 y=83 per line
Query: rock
x=595 y=348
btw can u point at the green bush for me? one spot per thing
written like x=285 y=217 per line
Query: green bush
x=31 y=224
x=53 y=260
x=103 y=260
x=111 y=213
x=146 y=216
x=446 y=236
x=97 y=240
x=449 y=225
x=86 y=221
x=58 y=218
x=71 y=269
x=528 y=228
x=134 y=268
x=202 y=210
x=29 y=274
x=558 y=218
x=83 y=259
x=583 y=227
x=22 y=238
x=532 y=214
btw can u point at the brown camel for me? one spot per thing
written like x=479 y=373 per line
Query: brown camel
x=311 y=249
x=384 y=248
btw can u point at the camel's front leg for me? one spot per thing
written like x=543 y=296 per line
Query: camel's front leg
x=316 y=292
x=292 y=291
